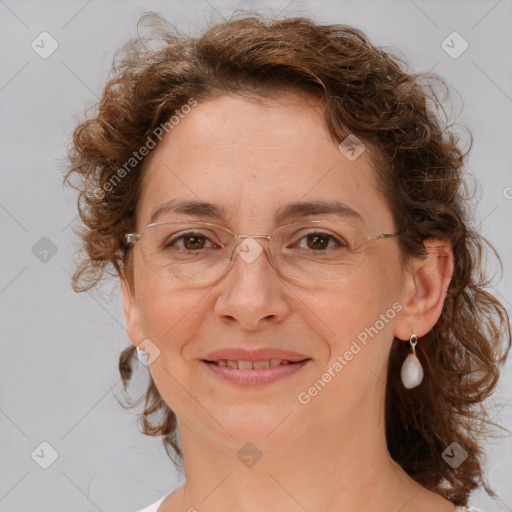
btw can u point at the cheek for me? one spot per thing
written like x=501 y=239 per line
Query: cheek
x=160 y=305
x=360 y=317
x=168 y=314
x=170 y=318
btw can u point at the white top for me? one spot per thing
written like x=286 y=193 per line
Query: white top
x=154 y=507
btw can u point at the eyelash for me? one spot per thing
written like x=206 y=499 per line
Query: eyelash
x=339 y=242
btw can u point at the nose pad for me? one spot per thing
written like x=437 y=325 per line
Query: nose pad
x=249 y=250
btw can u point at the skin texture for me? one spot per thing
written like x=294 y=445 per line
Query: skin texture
x=251 y=158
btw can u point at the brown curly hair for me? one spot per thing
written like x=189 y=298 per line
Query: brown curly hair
x=399 y=115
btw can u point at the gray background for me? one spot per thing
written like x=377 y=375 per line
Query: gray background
x=58 y=372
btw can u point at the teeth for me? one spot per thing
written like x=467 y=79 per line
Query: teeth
x=261 y=364
x=251 y=365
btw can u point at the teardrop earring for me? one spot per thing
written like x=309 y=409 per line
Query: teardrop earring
x=412 y=371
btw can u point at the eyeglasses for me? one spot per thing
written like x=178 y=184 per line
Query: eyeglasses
x=202 y=252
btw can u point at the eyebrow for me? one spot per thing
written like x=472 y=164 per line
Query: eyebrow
x=289 y=211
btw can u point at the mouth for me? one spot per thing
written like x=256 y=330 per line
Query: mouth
x=253 y=365
x=243 y=373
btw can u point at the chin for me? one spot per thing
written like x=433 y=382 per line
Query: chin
x=264 y=426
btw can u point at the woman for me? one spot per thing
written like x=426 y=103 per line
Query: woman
x=283 y=205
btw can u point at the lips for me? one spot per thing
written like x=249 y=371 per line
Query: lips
x=254 y=368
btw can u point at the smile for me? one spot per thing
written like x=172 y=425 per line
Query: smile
x=254 y=373
x=250 y=365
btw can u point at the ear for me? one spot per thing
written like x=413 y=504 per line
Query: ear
x=131 y=315
x=424 y=286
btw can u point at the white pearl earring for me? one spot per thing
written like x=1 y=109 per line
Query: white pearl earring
x=142 y=355
x=412 y=371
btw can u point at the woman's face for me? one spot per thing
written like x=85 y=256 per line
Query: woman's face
x=252 y=159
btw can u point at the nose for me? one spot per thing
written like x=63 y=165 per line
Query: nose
x=252 y=294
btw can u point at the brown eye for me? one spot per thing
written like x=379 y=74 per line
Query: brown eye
x=194 y=242
x=189 y=242
x=319 y=241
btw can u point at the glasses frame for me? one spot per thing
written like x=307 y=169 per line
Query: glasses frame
x=132 y=238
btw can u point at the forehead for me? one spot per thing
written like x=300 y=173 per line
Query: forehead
x=254 y=158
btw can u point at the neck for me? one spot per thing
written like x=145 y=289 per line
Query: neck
x=347 y=465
